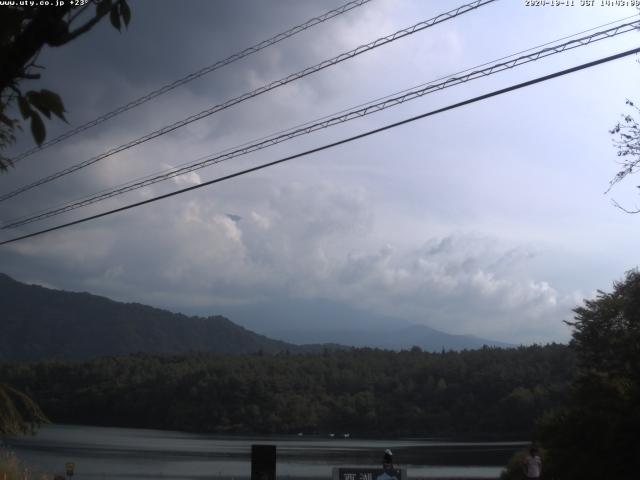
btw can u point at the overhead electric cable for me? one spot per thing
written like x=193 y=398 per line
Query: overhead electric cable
x=265 y=88
x=192 y=76
x=334 y=144
x=151 y=175
x=325 y=122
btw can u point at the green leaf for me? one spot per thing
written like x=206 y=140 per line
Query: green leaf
x=47 y=102
x=125 y=12
x=103 y=8
x=115 y=17
x=37 y=128
x=35 y=99
x=25 y=108
x=54 y=103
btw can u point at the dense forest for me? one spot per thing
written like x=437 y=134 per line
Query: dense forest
x=361 y=391
x=580 y=403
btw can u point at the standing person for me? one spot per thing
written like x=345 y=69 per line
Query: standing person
x=532 y=465
x=387 y=462
x=388 y=470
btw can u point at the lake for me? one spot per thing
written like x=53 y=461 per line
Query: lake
x=126 y=454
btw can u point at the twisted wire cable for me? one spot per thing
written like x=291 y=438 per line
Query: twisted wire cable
x=265 y=88
x=192 y=76
x=327 y=122
x=368 y=133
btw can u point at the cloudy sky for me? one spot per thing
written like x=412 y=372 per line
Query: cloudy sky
x=488 y=219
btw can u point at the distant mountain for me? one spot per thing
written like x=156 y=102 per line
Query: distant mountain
x=427 y=338
x=40 y=323
x=323 y=321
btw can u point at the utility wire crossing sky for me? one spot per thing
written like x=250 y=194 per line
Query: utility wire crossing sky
x=259 y=91
x=488 y=220
x=335 y=144
x=193 y=76
x=451 y=81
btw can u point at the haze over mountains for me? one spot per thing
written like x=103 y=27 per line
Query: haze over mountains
x=41 y=323
x=323 y=321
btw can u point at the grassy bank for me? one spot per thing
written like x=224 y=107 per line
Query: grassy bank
x=11 y=468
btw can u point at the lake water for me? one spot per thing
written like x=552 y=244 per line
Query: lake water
x=126 y=454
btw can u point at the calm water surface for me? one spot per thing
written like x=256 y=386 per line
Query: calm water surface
x=126 y=454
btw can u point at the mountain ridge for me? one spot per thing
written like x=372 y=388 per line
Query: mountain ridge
x=321 y=321
x=43 y=323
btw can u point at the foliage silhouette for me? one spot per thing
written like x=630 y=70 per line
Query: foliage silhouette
x=24 y=31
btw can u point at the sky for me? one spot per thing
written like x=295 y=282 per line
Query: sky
x=489 y=219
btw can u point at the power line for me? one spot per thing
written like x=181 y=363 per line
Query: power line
x=309 y=122
x=334 y=144
x=265 y=88
x=192 y=76
x=327 y=122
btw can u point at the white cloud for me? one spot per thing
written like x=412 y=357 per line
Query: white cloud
x=305 y=241
x=188 y=179
x=486 y=220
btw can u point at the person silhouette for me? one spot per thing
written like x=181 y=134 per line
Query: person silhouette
x=389 y=472
x=387 y=461
x=532 y=464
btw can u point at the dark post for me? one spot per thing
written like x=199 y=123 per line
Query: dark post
x=263 y=462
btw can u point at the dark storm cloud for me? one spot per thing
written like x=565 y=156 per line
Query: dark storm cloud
x=105 y=69
x=438 y=222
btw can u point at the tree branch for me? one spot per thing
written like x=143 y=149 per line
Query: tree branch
x=84 y=28
x=28 y=43
x=30 y=76
x=616 y=204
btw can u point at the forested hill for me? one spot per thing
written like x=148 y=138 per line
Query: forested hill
x=40 y=323
x=360 y=391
